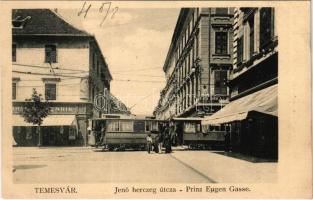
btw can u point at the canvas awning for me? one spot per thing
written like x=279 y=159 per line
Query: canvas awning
x=52 y=120
x=263 y=101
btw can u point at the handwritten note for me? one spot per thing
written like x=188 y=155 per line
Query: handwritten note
x=106 y=9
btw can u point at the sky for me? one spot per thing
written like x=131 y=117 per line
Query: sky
x=134 y=42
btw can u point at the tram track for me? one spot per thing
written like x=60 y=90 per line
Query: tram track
x=193 y=169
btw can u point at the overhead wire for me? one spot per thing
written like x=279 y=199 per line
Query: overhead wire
x=123 y=80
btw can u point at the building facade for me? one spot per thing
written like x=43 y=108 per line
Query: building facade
x=66 y=66
x=252 y=111
x=197 y=64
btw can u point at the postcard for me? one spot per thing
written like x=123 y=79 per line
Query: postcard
x=156 y=99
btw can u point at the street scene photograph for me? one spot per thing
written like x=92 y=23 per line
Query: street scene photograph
x=107 y=94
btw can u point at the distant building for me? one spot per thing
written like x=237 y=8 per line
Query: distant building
x=252 y=111
x=197 y=64
x=66 y=66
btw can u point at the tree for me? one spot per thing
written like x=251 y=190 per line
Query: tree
x=35 y=110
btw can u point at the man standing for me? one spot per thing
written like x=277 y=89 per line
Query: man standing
x=160 y=141
x=149 y=142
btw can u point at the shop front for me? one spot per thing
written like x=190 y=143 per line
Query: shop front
x=64 y=126
x=254 y=123
x=56 y=130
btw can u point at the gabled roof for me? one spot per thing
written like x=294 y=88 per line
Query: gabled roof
x=42 y=22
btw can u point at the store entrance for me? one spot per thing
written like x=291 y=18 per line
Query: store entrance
x=55 y=135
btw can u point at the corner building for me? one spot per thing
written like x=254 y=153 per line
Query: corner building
x=252 y=113
x=62 y=63
x=198 y=63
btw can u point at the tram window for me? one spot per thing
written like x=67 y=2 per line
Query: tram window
x=154 y=126
x=198 y=127
x=148 y=126
x=113 y=126
x=139 y=126
x=205 y=128
x=126 y=126
x=190 y=127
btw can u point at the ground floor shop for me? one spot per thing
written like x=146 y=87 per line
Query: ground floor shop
x=253 y=122
x=66 y=125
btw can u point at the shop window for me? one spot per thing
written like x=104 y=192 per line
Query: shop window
x=50 y=54
x=266 y=26
x=50 y=91
x=14 y=91
x=221 y=41
x=240 y=50
x=220 y=77
x=221 y=11
x=14 y=52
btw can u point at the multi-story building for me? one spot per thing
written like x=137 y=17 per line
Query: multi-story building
x=197 y=64
x=252 y=111
x=66 y=66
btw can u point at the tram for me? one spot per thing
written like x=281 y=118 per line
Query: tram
x=191 y=133
x=122 y=131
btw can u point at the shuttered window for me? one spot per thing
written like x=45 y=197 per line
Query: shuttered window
x=220 y=77
x=240 y=50
x=50 y=91
x=221 y=43
x=251 y=35
x=13 y=91
x=266 y=27
x=14 y=52
x=50 y=54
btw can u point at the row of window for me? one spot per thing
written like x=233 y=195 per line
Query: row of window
x=50 y=91
x=266 y=34
x=131 y=126
x=50 y=53
x=188 y=94
x=221 y=46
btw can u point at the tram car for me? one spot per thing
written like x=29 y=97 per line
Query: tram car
x=191 y=133
x=122 y=132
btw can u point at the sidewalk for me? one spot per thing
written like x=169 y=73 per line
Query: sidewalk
x=224 y=169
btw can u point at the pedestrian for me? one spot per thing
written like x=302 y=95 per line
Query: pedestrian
x=160 y=141
x=149 y=142
x=156 y=144
x=102 y=132
x=227 y=140
x=167 y=143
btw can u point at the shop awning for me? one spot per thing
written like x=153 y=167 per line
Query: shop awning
x=52 y=120
x=263 y=101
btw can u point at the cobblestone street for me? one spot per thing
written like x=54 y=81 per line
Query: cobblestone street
x=79 y=164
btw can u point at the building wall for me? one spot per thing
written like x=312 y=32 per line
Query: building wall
x=80 y=74
x=193 y=77
x=258 y=67
x=72 y=62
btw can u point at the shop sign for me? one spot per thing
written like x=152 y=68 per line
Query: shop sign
x=68 y=109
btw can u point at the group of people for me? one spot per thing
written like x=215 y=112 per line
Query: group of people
x=163 y=139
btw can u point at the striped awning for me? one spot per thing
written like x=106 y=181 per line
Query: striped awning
x=52 y=120
x=263 y=101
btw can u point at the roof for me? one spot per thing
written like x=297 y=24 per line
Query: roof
x=42 y=22
x=177 y=31
x=263 y=101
